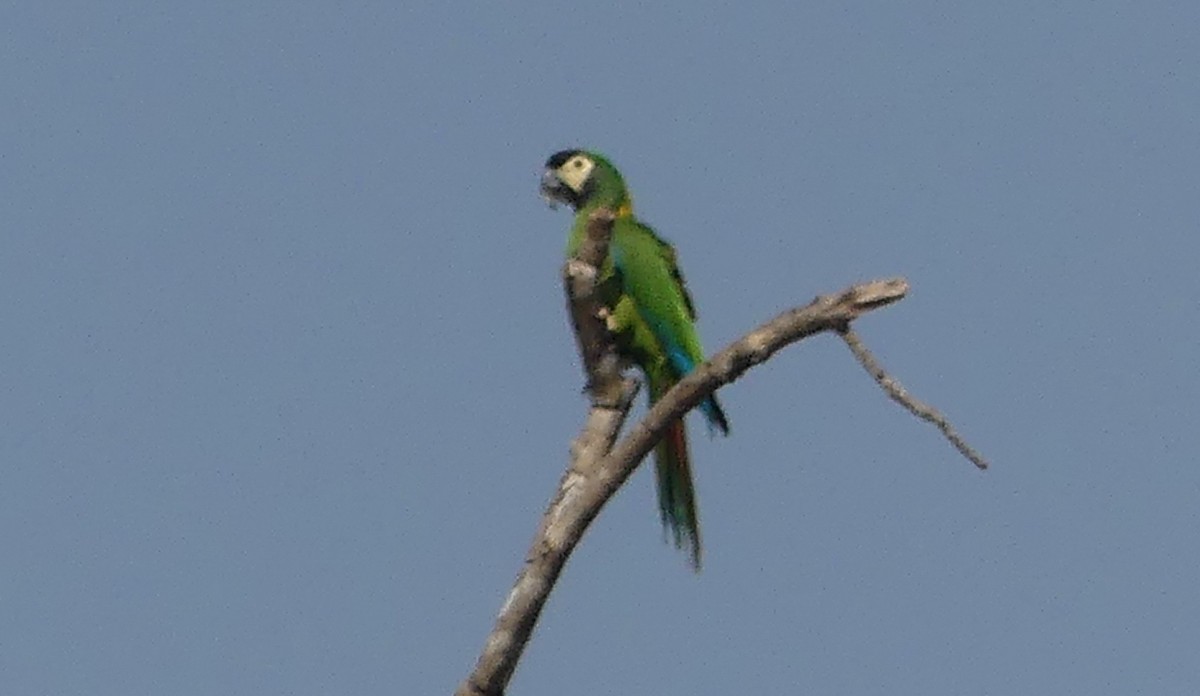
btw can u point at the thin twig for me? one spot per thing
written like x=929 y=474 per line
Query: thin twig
x=898 y=394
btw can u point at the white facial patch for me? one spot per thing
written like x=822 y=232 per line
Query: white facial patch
x=575 y=172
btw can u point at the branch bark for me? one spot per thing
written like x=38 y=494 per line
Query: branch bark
x=600 y=464
x=900 y=395
x=577 y=502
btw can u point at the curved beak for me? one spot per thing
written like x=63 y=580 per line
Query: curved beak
x=553 y=190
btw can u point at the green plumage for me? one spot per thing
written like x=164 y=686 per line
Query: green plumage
x=651 y=316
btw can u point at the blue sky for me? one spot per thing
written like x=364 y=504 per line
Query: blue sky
x=286 y=378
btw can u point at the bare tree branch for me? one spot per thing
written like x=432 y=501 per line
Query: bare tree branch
x=599 y=467
x=581 y=278
x=570 y=512
x=577 y=501
x=918 y=408
x=825 y=313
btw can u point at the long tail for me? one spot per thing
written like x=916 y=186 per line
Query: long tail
x=676 y=492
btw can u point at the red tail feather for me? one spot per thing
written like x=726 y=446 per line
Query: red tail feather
x=676 y=492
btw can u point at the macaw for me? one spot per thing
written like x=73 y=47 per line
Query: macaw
x=650 y=314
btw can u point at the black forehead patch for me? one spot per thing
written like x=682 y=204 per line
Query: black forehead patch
x=560 y=158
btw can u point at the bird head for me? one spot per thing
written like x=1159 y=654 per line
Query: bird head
x=582 y=179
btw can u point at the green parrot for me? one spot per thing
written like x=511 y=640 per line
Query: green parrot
x=650 y=314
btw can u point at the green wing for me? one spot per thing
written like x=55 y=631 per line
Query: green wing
x=654 y=321
x=650 y=276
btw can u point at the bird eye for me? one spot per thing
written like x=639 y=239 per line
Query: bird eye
x=579 y=164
